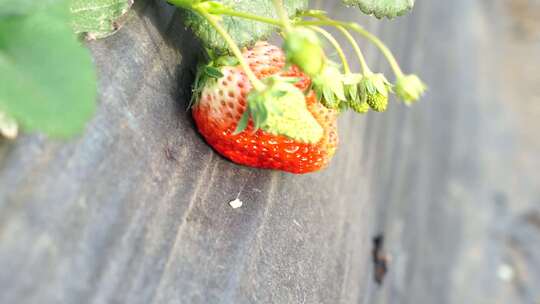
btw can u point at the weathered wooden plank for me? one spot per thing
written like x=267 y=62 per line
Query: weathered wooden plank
x=111 y=217
x=459 y=197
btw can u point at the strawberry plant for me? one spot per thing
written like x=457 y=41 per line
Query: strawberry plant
x=277 y=108
x=255 y=103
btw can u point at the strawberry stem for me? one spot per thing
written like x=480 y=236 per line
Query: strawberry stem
x=360 y=30
x=248 y=16
x=282 y=13
x=257 y=84
x=182 y=3
x=365 y=68
x=336 y=45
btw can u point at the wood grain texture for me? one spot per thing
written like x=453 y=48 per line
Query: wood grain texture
x=135 y=210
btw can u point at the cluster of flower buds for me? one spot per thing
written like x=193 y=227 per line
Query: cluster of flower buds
x=345 y=90
x=336 y=89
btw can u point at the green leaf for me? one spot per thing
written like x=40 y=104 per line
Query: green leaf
x=382 y=8
x=47 y=80
x=23 y=7
x=213 y=72
x=226 y=61
x=98 y=18
x=244 y=32
x=243 y=123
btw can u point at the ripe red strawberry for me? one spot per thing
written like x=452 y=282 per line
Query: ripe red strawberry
x=223 y=102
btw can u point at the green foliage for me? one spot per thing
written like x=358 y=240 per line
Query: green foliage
x=382 y=8
x=22 y=7
x=47 y=80
x=98 y=18
x=244 y=32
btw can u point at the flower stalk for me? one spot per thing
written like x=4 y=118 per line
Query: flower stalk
x=360 y=30
x=335 y=44
x=257 y=84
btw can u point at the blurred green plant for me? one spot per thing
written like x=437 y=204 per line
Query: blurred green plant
x=96 y=19
x=47 y=77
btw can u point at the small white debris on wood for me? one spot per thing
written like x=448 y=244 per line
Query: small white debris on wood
x=505 y=272
x=237 y=203
x=8 y=126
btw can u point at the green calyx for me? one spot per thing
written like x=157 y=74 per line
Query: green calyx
x=374 y=90
x=303 y=48
x=281 y=110
x=410 y=88
x=209 y=72
x=353 y=97
x=328 y=86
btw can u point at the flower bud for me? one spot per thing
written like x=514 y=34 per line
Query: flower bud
x=410 y=88
x=328 y=86
x=374 y=89
x=303 y=48
x=353 y=98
